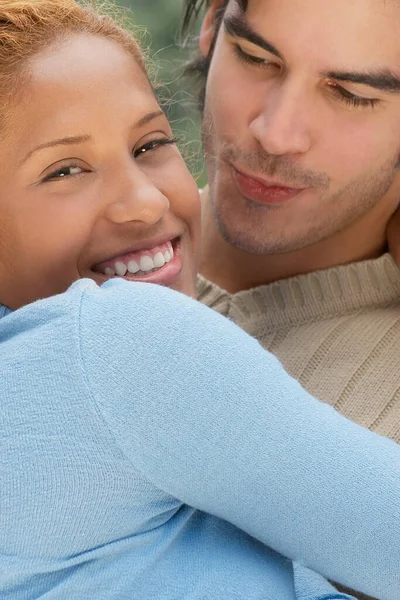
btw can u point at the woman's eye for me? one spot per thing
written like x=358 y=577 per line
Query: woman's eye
x=351 y=99
x=153 y=145
x=249 y=59
x=64 y=173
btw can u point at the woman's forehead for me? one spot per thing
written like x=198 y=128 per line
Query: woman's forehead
x=80 y=87
x=88 y=58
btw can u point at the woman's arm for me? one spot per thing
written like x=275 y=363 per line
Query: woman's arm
x=211 y=418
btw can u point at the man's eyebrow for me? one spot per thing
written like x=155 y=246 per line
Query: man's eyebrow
x=382 y=79
x=236 y=26
x=242 y=5
x=80 y=139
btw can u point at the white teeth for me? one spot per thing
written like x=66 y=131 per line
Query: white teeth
x=159 y=260
x=120 y=268
x=169 y=254
x=146 y=263
x=133 y=267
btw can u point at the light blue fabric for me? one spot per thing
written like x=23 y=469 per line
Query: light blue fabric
x=309 y=585
x=124 y=406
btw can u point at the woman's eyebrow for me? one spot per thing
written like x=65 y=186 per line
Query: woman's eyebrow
x=149 y=117
x=80 y=139
x=238 y=27
x=67 y=141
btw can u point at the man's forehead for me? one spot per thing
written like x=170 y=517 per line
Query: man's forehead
x=242 y=5
x=351 y=26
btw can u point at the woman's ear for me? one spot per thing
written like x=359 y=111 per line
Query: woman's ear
x=208 y=28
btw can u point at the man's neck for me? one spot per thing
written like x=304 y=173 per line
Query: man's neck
x=235 y=270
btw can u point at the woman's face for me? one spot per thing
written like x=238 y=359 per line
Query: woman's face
x=91 y=184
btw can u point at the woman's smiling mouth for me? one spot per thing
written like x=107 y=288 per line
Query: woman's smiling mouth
x=157 y=264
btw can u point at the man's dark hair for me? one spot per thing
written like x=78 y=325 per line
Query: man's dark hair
x=199 y=65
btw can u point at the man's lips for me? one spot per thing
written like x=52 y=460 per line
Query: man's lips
x=262 y=190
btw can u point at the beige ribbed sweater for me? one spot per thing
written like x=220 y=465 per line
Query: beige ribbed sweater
x=336 y=331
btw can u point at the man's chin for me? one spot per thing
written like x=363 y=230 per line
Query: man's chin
x=258 y=240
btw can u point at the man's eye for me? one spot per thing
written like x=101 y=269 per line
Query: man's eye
x=64 y=173
x=248 y=58
x=351 y=99
x=153 y=145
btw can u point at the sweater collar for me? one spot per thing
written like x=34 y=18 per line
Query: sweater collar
x=321 y=294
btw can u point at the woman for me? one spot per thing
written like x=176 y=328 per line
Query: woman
x=149 y=448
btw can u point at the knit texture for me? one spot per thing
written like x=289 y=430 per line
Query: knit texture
x=336 y=331
x=150 y=449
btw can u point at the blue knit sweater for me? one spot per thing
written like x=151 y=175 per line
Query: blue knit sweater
x=151 y=450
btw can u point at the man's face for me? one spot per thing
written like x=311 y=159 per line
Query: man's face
x=302 y=119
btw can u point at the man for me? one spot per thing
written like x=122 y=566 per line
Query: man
x=301 y=106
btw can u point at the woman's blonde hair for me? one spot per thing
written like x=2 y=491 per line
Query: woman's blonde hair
x=28 y=27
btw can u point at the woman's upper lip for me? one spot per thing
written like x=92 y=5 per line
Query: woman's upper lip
x=144 y=245
x=267 y=182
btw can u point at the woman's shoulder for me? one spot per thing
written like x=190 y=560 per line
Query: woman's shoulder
x=143 y=310
x=113 y=301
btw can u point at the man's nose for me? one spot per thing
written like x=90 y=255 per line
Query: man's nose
x=137 y=198
x=282 y=126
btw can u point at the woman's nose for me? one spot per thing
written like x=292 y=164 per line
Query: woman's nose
x=137 y=199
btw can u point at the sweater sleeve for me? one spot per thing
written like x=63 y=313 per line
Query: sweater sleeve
x=211 y=418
